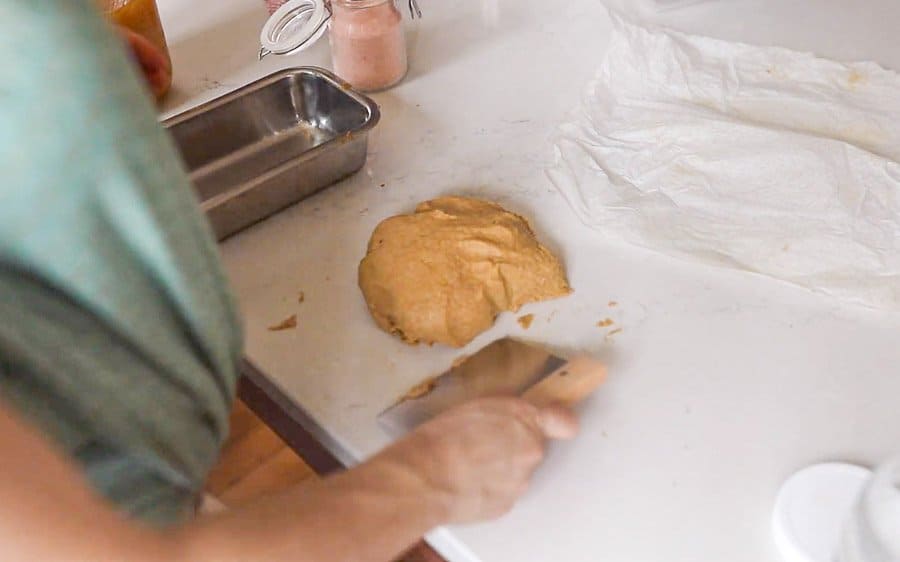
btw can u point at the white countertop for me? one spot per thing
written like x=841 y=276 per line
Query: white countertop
x=721 y=383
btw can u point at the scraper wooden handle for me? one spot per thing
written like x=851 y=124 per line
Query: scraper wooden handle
x=568 y=385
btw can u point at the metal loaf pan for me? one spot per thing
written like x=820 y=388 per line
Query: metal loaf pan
x=269 y=144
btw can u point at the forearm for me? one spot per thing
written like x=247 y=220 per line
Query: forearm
x=371 y=513
x=368 y=514
x=468 y=465
x=48 y=512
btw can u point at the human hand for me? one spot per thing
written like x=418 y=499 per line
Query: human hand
x=477 y=459
x=151 y=60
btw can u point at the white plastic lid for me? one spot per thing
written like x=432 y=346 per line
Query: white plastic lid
x=812 y=508
x=294 y=26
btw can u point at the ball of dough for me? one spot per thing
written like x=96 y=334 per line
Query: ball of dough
x=443 y=273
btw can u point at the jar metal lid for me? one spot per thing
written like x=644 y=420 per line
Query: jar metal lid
x=297 y=24
x=293 y=27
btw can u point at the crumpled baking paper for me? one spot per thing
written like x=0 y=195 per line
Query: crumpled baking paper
x=756 y=158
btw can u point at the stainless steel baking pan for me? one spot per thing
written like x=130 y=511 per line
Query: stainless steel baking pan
x=267 y=145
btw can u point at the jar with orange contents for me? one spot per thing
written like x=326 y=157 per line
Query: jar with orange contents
x=140 y=23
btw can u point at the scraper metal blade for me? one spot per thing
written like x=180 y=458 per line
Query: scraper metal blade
x=505 y=367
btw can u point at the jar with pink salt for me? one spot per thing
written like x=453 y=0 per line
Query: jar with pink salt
x=368 y=44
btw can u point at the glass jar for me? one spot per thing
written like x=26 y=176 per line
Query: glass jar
x=368 y=42
x=142 y=18
x=368 y=45
x=872 y=532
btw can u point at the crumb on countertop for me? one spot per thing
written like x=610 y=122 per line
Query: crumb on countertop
x=525 y=321
x=420 y=390
x=605 y=323
x=287 y=324
x=612 y=304
x=611 y=333
x=301 y=297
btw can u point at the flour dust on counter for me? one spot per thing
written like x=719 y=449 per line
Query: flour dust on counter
x=444 y=273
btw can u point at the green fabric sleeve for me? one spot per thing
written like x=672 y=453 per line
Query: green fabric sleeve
x=118 y=336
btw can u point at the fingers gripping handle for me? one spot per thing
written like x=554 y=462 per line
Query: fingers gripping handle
x=568 y=385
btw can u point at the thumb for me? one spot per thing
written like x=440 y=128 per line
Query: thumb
x=557 y=422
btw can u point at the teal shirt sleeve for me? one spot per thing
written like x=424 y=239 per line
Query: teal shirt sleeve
x=118 y=336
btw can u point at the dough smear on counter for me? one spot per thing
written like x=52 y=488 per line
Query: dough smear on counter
x=443 y=273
